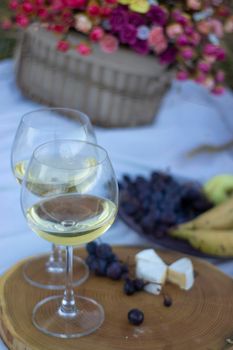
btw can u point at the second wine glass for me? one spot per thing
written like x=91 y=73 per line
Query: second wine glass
x=36 y=128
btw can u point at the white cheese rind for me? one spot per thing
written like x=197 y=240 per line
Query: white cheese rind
x=151 y=271
x=181 y=273
x=148 y=255
x=153 y=288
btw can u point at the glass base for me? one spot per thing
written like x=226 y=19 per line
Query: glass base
x=36 y=273
x=49 y=320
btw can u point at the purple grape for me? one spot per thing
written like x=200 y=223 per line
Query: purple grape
x=93 y=265
x=114 y=271
x=104 y=251
x=129 y=288
x=157 y=204
x=135 y=317
x=167 y=301
x=101 y=267
x=112 y=258
x=90 y=259
x=91 y=247
x=138 y=284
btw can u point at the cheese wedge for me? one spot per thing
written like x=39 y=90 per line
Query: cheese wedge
x=181 y=273
x=151 y=271
x=153 y=288
x=148 y=255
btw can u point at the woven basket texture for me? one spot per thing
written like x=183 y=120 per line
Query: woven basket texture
x=118 y=90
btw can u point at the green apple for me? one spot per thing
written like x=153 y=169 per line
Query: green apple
x=219 y=188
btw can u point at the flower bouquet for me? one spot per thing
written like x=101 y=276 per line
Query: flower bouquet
x=133 y=43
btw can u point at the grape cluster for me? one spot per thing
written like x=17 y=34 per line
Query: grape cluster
x=160 y=202
x=103 y=262
x=132 y=286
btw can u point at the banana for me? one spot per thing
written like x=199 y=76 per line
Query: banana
x=220 y=217
x=181 y=233
x=219 y=188
x=216 y=243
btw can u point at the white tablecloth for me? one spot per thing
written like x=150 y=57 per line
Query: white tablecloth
x=189 y=117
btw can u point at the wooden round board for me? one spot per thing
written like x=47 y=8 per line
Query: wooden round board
x=201 y=318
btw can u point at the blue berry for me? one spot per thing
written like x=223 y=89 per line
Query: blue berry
x=91 y=247
x=114 y=271
x=129 y=288
x=104 y=251
x=135 y=317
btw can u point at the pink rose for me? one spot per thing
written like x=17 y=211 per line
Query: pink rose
x=6 y=24
x=109 y=43
x=174 y=30
x=58 y=28
x=182 y=75
x=200 y=78
x=160 y=47
x=27 y=7
x=93 y=10
x=194 y=4
x=39 y=2
x=13 y=4
x=75 y=4
x=57 y=5
x=183 y=40
x=187 y=53
x=220 y=76
x=63 y=46
x=96 y=34
x=204 y=67
x=217 y=27
x=218 y=90
x=83 y=49
x=43 y=13
x=220 y=54
x=204 y=27
x=210 y=49
x=195 y=38
x=157 y=40
x=22 y=21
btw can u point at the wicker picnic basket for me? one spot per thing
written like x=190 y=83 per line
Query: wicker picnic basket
x=117 y=90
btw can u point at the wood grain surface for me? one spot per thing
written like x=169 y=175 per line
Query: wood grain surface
x=200 y=319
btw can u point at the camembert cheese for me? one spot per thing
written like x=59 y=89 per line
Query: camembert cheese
x=181 y=273
x=150 y=267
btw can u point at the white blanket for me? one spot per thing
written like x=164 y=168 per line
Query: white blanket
x=189 y=117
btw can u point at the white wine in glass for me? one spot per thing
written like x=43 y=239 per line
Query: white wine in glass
x=36 y=128
x=69 y=219
x=87 y=218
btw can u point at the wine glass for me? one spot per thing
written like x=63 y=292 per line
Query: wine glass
x=69 y=215
x=36 y=128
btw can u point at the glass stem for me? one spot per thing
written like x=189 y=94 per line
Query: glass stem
x=68 y=306
x=55 y=263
